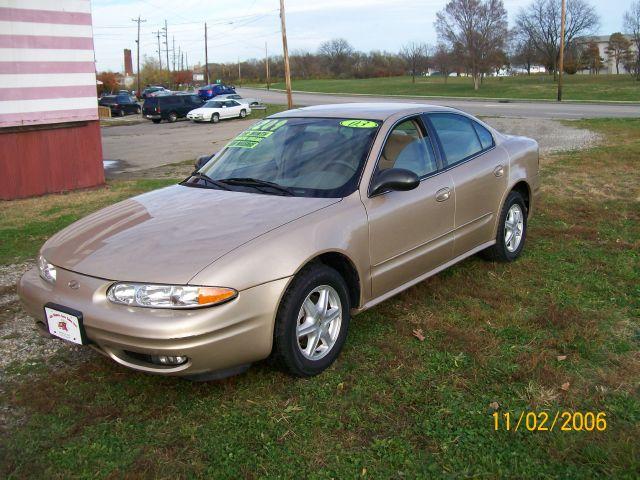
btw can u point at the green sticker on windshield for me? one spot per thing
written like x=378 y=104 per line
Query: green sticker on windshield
x=358 y=124
x=241 y=143
x=254 y=135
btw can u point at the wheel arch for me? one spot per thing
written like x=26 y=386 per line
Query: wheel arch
x=524 y=189
x=347 y=270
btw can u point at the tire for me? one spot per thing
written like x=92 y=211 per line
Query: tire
x=121 y=113
x=503 y=251
x=173 y=117
x=156 y=120
x=243 y=113
x=292 y=349
x=215 y=118
x=138 y=111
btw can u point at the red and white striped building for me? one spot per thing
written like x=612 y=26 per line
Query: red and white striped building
x=49 y=129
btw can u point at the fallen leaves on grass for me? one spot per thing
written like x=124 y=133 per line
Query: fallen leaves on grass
x=565 y=386
x=419 y=334
x=494 y=406
x=561 y=358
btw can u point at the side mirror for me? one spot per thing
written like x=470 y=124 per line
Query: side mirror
x=201 y=161
x=394 y=179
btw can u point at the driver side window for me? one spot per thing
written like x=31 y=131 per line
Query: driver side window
x=409 y=148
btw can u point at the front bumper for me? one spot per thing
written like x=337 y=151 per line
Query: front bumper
x=216 y=338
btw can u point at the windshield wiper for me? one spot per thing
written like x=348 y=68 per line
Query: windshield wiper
x=257 y=183
x=208 y=180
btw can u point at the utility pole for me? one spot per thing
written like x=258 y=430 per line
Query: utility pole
x=561 y=60
x=239 y=74
x=166 y=45
x=138 y=21
x=266 y=62
x=206 y=56
x=157 y=34
x=173 y=52
x=287 y=71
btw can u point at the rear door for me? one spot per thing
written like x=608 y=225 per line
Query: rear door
x=479 y=172
x=410 y=233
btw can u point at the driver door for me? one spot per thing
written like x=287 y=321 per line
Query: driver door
x=410 y=232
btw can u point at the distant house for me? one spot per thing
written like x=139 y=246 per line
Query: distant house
x=609 y=64
x=49 y=131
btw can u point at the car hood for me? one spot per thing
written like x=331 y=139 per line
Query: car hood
x=169 y=235
x=198 y=110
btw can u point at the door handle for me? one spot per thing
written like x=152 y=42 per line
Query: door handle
x=498 y=171
x=443 y=194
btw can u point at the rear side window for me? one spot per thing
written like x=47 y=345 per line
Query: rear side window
x=486 y=139
x=457 y=136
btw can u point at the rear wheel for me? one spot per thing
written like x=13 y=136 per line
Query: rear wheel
x=243 y=113
x=312 y=321
x=215 y=118
x=173 y=117
x=512 y=230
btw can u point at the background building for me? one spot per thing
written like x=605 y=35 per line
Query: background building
x=608 y=63
x=49 y=130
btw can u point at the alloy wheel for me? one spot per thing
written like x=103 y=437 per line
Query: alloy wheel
x=513 y=228
x=319 y=322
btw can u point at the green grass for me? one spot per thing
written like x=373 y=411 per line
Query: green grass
x=576 y=87
x=392 y=406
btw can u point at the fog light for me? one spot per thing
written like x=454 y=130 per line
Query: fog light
x=167 y=360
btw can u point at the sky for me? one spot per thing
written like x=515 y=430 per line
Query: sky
x=238 y=29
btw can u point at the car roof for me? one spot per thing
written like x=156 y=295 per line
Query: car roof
x=373 y=111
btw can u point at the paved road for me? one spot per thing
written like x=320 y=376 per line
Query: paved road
x=475 y=107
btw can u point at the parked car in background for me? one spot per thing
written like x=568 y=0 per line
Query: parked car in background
x=169 y=107
x=269 y=247
x=239 y=98
x=215 y=110
x=120 y=105
x=150 y=91
x=209 y=91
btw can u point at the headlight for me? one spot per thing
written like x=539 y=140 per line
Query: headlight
x=47 y=271
x=168 y=296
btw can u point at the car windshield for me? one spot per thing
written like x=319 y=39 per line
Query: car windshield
x=313 y=157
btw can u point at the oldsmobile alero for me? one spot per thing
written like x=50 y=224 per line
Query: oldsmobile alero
x=268 y=247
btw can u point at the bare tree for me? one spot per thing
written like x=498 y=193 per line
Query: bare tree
x=443 y=60
x=337 y=53
x=523 y=53
x=540 y=21
x=618 y=49
x=632 y=26
x=478 y=28
x=416 y=56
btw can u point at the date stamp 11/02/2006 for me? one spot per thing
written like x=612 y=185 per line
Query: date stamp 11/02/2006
x=564 y=421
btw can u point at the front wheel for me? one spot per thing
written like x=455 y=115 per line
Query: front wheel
x=121 y=113
x=215 y=118
x=312 y=321
x=512 y=230
x=243 y=113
